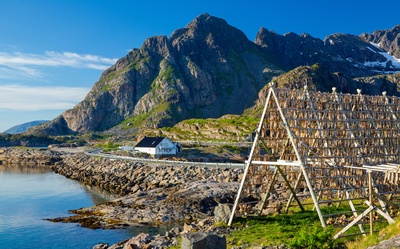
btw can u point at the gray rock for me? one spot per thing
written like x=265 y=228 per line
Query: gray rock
x=138 y=241
x=201 y=240
x=387 y=244
x=119 y=245
x=101 y=246
x=176 y=230
x=221 y=213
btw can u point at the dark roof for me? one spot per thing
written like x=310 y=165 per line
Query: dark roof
x=149 y=142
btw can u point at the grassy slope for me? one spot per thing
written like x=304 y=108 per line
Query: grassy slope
x=229 y=128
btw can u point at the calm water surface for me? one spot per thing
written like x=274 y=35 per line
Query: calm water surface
x=27 y=196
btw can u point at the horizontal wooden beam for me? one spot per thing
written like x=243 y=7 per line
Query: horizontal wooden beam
x=277 y=163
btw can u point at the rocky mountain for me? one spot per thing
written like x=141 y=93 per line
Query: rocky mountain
x=209 y=69
x=206 y=69
x=388 y=40
x=24 y=127
x=348 y=54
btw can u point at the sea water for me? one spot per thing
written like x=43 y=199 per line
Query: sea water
x=28 y=196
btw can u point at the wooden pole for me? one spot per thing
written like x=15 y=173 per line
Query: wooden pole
x=371 y=214
x=250 y=159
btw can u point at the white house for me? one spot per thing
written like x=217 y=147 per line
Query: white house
x=158 y=146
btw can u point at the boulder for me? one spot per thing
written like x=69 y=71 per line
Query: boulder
x=200 y=240
x=139 y=241
x=222 y=213
x=100 y=246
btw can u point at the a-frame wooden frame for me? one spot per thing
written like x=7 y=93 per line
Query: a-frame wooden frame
x=327 y=147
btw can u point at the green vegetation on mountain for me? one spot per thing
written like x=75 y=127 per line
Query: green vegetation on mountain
x=229 y=128
x=209 y=69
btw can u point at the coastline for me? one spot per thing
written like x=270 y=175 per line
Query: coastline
x=151 y=195
x=185 y=199
x=28 y=156
x=180 y=197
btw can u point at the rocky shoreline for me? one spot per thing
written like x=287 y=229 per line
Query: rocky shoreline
x=182 y=197
x=185 y=198
x=128 y=177
x=28 y=157
x=151 y=194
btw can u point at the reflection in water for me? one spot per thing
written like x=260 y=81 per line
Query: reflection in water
x=28 y=195
x=98 y=195
x=19 y=169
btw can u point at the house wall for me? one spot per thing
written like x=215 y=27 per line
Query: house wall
x=151 y=151
x=166 y=147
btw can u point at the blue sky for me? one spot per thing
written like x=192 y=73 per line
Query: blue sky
x=53 y=51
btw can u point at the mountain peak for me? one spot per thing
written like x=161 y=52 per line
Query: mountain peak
x=205 y=20
x=205 y=70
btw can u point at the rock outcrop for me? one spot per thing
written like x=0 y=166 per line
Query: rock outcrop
x=201 y=240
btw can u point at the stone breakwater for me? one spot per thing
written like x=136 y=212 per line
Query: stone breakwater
x=28 y=157
x=127 y=177
x=151 y=194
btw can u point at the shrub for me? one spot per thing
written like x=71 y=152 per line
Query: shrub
x=314 y=238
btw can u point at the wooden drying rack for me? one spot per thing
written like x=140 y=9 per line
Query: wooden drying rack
x=330 y=147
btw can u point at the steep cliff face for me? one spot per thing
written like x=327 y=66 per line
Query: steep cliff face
x=347 y=54
x=206 y=69
x=291 y=50
x=388 y=40
x=209 y=69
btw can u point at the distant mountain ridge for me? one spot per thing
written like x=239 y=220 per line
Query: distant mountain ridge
x=209 y=69
x=24 y=127
x=388 y=40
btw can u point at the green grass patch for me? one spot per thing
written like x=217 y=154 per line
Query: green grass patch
x=195 y=121
x=137 y=64
x=139 y=120
x=227 y=128
x=108 y=146
x=386 y=233
x=271 y=230
x=134 y=121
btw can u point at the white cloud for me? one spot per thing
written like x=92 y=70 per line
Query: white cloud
x=27 y=98
x=25 y=65
x=54 y=59
x=18 y=72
